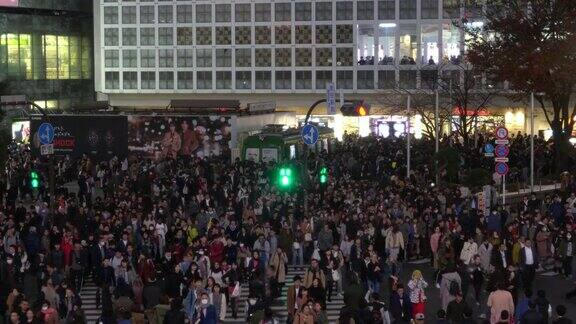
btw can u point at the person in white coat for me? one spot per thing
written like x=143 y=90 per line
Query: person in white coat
x=485 y=253
x=469 y=250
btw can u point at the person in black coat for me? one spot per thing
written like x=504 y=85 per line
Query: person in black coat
x=400 y=305
x=561 y=313
x=175 y=314
x=532 y=316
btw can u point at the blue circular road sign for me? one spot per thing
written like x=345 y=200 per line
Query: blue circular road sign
x=309 y=134
x=502 y=150
x=501 y=168
x=488 y=148
x=46 y=133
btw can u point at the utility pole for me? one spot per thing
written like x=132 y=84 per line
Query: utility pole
x=408 y=138
x=532 y=142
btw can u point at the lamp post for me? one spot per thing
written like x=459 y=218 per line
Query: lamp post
x=531 y=142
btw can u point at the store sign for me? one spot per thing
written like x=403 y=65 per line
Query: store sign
x=8 y=3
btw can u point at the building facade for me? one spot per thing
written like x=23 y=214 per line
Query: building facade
x=46 y=51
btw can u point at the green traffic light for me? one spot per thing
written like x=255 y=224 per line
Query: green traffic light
x=285 y=180
x=323 y=175
x=34 y=180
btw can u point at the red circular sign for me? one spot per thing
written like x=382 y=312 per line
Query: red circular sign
x=501 y=133
x=501 y=151
x=502 y=168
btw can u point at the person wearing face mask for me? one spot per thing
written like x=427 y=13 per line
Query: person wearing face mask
x=205 y=312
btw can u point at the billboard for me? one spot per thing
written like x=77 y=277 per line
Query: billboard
x=101 y=137
x=21 y=131
x=160 y=137
x=8 y=3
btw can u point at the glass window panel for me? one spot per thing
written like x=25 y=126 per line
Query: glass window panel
x=303 y=34
x=165 y=58
x=323 y=11
x=204 y=80
x=365 y=80
x=63 y=57
x=204 y=58
x=262 y=12
x=386 y=43
x=223 y=57
x=451 y=46
x=147 y=36
x=263 y=80
x=223 y=12
x=345 y=56
x=387 y=79
x=87 y=57
x=223 y=35
x=282 y=11
x=129 y=37
x=165 y=14
x=50 y=53
x=408 y=44
x=223 y=80
x=283 y=79
x=166 y=80
x=344 y=10
x=429 y=9
x=184 y=36
x=344 y=79
x=324 y=56
x=165 y=36
x=130 y=80
x=244 y=57
x=387 y=9
x=110 y=15
x=111 y=80
x=203 y=13
x=185 y=57
x=407 y=79
x=451 y=8
x=263 y=57
x=128 y=15
x=408 y=9
x=242 y=12
x=365 y=10
x=323 y=78
x=303 y=11
x=243 y=80
x=147 y=15
x=324 y=34
x=184 y=14
x=111 y=58
x=148 y=80
x=430 y=51
x=111 y=36
x=185 y=80
x=366 y=45
x=25 y=55
x=303 y=79
x=129 y=58
x=148 y=58
x=243 y=35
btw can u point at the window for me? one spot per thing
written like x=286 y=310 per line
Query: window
x=429 y=42
x=165 y=58
x=429 y=9
x=387 y=9
x=283 y=35
x=204 y=80
x=283 y=80
x=148 y=58
x=147 y=14
x=223 y=12
x=324 y=56
x=242 y=12
x=129 y=37
x=344 y=79
x=408 y=44
x=111 y=59
x=408 y=9
x=185 y=57
x=263 y=57
x=386 y=44
x=323 y=34
x=243 y=57
x=112 y=80
x=323 y=11
x=283 y=57
x=243 y=35
x=365 y=80
x=129 y=58
x=165 y=36
x=263 y=80
x=451 y=8
x=128 y=15
x=147 y=36
x=223 y=57
x=166 y=80
x=164 y=14
x=322 y=78
x=387 y=79
x=204 y=58
x=262 y=34
x=344 y=10
x=203 y=35
x=429 y=78
x=303 y=11
x=407 y=79
x=303 y=79
x=110 y=15
x=223 y=80
x=111 y=37
x=243 y=80
x=203 y=13
x=366 y=45
x=344 y=56
x=130 y=80
x=223 y=35
x=262 y=12
x=282 y=11
x=303 y=34
x=184 y=36
x=185 y=80
x=184 y=14
x=303 y=57
x=450 y=41
x=365 y=10
x=148 y=80
x=344 y=34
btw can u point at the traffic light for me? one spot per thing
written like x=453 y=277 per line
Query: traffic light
x=323 y=175
x=34 y=179
x=286 y=177
x=356 y=108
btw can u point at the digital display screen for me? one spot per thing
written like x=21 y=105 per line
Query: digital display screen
x=8 y=3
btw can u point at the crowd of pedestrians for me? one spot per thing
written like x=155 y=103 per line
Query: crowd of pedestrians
x=179 y=240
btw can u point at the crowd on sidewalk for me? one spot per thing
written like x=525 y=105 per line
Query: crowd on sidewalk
x=179 y=240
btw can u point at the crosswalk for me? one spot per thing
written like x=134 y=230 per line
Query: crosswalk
x=279 y=308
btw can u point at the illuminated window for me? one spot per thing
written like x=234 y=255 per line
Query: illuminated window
x=51 y=54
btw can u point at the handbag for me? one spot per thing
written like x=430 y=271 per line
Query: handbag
x=296 y=245
x=308 y=237
x=335 y=275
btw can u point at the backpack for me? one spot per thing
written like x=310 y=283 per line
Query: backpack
x=453 y=288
